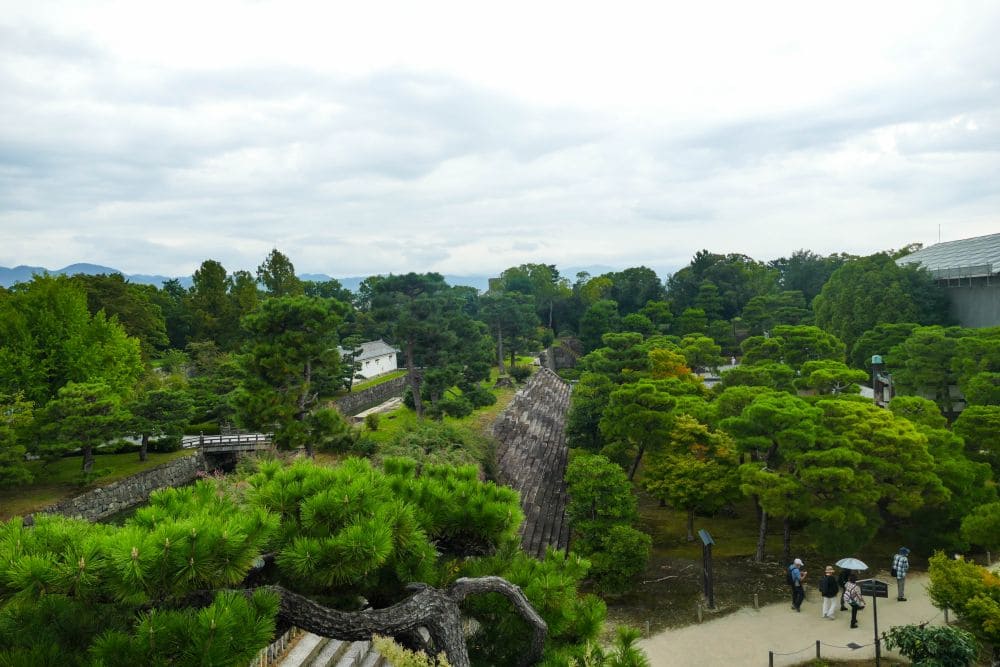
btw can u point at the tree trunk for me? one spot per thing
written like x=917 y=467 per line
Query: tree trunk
x=513 y=357
x=411 y=377
x=88 y=459
x=304 y=404
x=635 y=464
x=787 y=539
x=144 y=447
x=690 y=523
x=500 y=367
x=436 y=610
x=758 y=557
x=550 y=314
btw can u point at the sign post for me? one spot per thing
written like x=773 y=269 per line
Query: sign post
x=877 y=589
x=706 y=557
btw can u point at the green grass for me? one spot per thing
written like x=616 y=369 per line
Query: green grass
x=381 y=379
x=479 y=422
x=59 y=479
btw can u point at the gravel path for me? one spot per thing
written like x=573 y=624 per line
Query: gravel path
x=746 y=636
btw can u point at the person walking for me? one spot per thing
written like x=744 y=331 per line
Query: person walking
x=853 y=597
x=900 y=566
x=795 y=576
x=842 y=581
x=828 y=588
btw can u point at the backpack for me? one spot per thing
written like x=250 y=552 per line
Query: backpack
x=788 y=576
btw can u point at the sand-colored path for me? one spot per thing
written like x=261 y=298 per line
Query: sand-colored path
x=745 y=637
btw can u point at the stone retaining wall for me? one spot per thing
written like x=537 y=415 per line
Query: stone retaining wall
x=559 y=357
x=531 y=458
x=125 y=493
x=358 y=401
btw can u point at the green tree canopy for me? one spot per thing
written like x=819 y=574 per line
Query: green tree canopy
x=133 y=305
x=766 y=311
x=738 y=279
x=830 y=377
x=806 y=272
x=83 y=415
x=694 y=471
x=638 y=417
x=979 y=426
x=874 y=290
x=277 y=274
x=152 y=591
x=290 y=341
x=48 y=338
x=922 y=364
x=159 y=411
x=15 y=414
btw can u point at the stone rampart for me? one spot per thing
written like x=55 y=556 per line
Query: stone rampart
x=531 y=458
x=358 y=401
x=125 y=493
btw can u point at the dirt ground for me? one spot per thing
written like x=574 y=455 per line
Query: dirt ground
x=744 y=636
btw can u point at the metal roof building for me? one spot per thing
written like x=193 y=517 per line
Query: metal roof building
x=970 y=271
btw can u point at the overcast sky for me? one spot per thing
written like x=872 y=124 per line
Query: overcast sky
x=465 y=137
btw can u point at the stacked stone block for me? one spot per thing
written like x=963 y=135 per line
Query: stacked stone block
x=125 y=493
x=531 y=458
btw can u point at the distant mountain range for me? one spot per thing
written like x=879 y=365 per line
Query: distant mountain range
x=21 y=274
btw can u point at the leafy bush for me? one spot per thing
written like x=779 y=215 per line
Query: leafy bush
x=437 y=442
x=479 y=397
x=622 y=557
x=933 y=646
x=364 y=447
x=119 y=447
x=208 y=428
x=456 y=407
x=569 y=374
x=167 y=443
x=372 y=420
x=520 y=373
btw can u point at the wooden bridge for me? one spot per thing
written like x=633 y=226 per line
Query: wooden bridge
x=225 y=444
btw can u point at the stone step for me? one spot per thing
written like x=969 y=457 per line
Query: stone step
x=304 y=650
x=331 y=653
x=354 y=654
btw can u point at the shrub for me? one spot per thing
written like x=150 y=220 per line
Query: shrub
x=520 y=373
x=623 y=556
x=208 y=428
x=546 y=336
x=436 y=442
x=364 y=447
x=456 y=407
x=569 y=374
x=938 y=646
x=166 y=443
x=372 y=420
x=479 y=397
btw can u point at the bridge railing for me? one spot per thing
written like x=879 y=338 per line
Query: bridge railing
x=239 y=441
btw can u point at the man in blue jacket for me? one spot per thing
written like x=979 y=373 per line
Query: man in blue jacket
x=795 y=577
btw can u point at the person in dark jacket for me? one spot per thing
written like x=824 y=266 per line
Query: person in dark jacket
x=828 y=589
x=842 y=581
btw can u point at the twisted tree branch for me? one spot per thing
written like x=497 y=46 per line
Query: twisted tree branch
x=434 y=609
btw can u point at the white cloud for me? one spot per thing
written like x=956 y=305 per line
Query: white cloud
x=390 y=136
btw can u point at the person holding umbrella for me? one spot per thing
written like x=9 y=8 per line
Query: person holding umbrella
x=850 y=566
x=853 y=597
